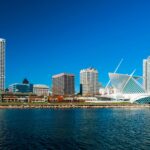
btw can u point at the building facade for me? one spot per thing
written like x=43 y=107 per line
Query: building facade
x=126 y=84
x=2 y=64
x=21 y=88
x=41 y=90
x=128 y=88
x=146 y=74
x=89 y=84
x=63 y=84
x=106 y=91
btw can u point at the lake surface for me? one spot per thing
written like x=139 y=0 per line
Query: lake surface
x=75 y=129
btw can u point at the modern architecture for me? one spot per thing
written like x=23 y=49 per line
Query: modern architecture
x=128 y=87
x=24 y=87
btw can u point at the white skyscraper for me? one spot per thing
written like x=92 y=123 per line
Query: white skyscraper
x=89 y=84
x=146 y=74
x=2 y=64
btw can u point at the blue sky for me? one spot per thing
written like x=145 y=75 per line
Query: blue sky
x=46 y=37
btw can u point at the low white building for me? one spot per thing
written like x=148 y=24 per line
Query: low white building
x=106 y=91
x=41 y=89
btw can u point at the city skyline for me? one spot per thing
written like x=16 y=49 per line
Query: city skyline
x=77 y=85
x=68 y=36
x=74 y=74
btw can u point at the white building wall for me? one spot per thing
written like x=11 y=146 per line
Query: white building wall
x=41 y=90
x=146 y=74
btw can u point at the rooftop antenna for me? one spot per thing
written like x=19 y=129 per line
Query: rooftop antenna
x=114 y=72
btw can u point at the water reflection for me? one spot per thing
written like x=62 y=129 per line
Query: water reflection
x=75 y=129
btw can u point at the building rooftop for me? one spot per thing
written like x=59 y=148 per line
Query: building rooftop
x=40 y=86
x=2 y=39
x=18 y=84
x=62 y=74
x=126 y=84
x=90 y=69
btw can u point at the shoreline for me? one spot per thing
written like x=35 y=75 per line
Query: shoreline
x=70 y=106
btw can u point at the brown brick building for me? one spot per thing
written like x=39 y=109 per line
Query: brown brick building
x=63 y=84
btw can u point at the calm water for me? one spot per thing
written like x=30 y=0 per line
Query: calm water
x=74 y=129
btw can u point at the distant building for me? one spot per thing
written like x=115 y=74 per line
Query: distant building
x=146 y=74
x=89 y=84
x=25 y=81
x=24 y=87
x=15 y=97
x=22 y=97
x=41 y=90
x=106 y=91
x=21 y=88
x=63 y=84
x=33 y=98
x=2 y=64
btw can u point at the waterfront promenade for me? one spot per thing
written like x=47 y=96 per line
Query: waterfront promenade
x=72 y=105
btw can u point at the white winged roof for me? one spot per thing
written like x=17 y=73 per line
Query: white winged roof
x=126 y=84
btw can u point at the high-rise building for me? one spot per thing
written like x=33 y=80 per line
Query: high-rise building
x=63 y=84
x=2 y=64
x=146 y=74
x=89 y=85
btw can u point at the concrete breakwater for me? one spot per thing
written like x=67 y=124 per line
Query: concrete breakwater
x=71 y=106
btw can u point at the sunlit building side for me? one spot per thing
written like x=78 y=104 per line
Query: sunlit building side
x=89 y=85
x=41 y=90
x=146 y=74
x=127 y=87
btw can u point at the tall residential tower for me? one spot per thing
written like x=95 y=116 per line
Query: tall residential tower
x=89 y=85
x=146 y=74
x=2 y=64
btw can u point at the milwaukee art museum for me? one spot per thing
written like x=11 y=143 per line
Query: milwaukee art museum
x=128 y=87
